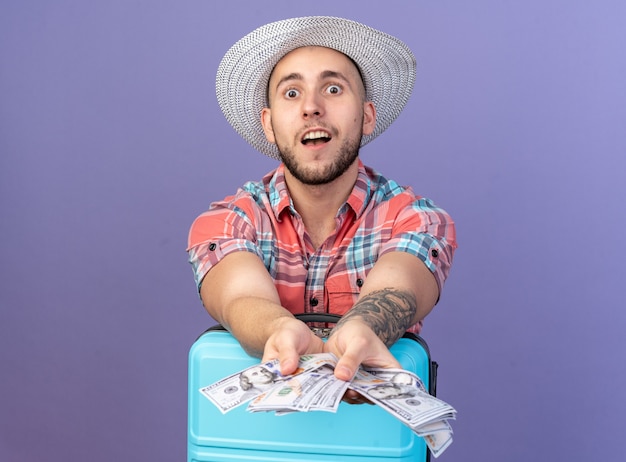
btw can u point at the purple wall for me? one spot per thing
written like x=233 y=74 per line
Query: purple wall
x=111 y=142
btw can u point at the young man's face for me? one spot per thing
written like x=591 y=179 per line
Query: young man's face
x=317 y=113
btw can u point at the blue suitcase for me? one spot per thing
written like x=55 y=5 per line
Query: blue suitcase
x=356 y=433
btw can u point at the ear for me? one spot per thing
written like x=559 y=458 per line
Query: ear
x=266 y=122
x=369 y=117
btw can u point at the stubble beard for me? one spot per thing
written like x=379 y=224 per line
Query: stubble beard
x=347 y=155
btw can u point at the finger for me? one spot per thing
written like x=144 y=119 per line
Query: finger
x=356 y=354
x=269 y=354
x=289 y=361
x=348 y=364
x=352 y=397
x=286 y=354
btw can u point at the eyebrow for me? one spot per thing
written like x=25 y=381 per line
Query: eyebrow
x=287 y=78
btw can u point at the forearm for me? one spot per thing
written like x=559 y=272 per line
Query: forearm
x=388 y=312
x=251 y=320
x=398 y=292
x=239 y=294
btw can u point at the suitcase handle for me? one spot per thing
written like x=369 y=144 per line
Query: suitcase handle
x=318 y=317
x=328 y=318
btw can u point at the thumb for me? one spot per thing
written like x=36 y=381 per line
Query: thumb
x=349 y=363
x=288 y=358
x=347 y=366
x=289 y=361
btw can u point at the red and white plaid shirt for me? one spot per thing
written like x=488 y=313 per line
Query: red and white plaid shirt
x=379 y=217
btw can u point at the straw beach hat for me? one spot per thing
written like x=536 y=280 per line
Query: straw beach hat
x=386 y=64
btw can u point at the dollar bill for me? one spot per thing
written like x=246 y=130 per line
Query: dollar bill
x=314 y=390
x=330 y=393
x=314 y=387
x=440 y=426
x=291 y=395
x=402 y=397
x=438 y=442
x=243 y=386
x=397 y=376
x=239 y=388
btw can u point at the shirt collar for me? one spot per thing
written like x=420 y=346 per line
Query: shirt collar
x=278 y=192
x=359 y=198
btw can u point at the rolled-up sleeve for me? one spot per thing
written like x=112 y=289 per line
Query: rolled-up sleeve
x=428 y=232
x=225 y=228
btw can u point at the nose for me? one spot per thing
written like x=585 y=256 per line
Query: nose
x=312 y=106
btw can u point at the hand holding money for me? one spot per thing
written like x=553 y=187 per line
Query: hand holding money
x=315 y=387
x=355 y=343
x=290 y=339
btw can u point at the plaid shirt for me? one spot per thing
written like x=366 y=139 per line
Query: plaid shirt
x=379 y=217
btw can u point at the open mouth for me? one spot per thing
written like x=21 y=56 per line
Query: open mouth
x=316 y=137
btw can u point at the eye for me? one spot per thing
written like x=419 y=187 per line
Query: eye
x=333 y=89
x=292 y=93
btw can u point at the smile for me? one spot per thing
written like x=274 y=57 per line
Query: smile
x=316 y=137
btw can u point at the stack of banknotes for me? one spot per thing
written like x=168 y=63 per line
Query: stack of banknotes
x=313 y=387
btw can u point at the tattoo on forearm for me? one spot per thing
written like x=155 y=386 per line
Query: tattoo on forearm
x=389 y=312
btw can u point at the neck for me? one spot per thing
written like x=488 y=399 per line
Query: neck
x=318 y=204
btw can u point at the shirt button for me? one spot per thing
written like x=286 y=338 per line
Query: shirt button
x=359 y=282
x=212 y=246
x=434 y=253
x=313 y=301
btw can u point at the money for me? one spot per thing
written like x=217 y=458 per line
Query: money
x=438 y=441
x=314 y=387
x=243 y=386
x=403 y=395
x=305 y=392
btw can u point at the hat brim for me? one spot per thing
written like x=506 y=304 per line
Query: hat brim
x=387 y=65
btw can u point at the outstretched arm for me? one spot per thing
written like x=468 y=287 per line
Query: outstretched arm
x=399 y=291
x=239 y=293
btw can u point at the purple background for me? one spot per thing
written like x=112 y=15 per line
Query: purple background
x=111 y=142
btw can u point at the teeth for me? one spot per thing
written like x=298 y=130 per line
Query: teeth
x=316 y=135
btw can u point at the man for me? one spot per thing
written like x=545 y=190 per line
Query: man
x=321 y=233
